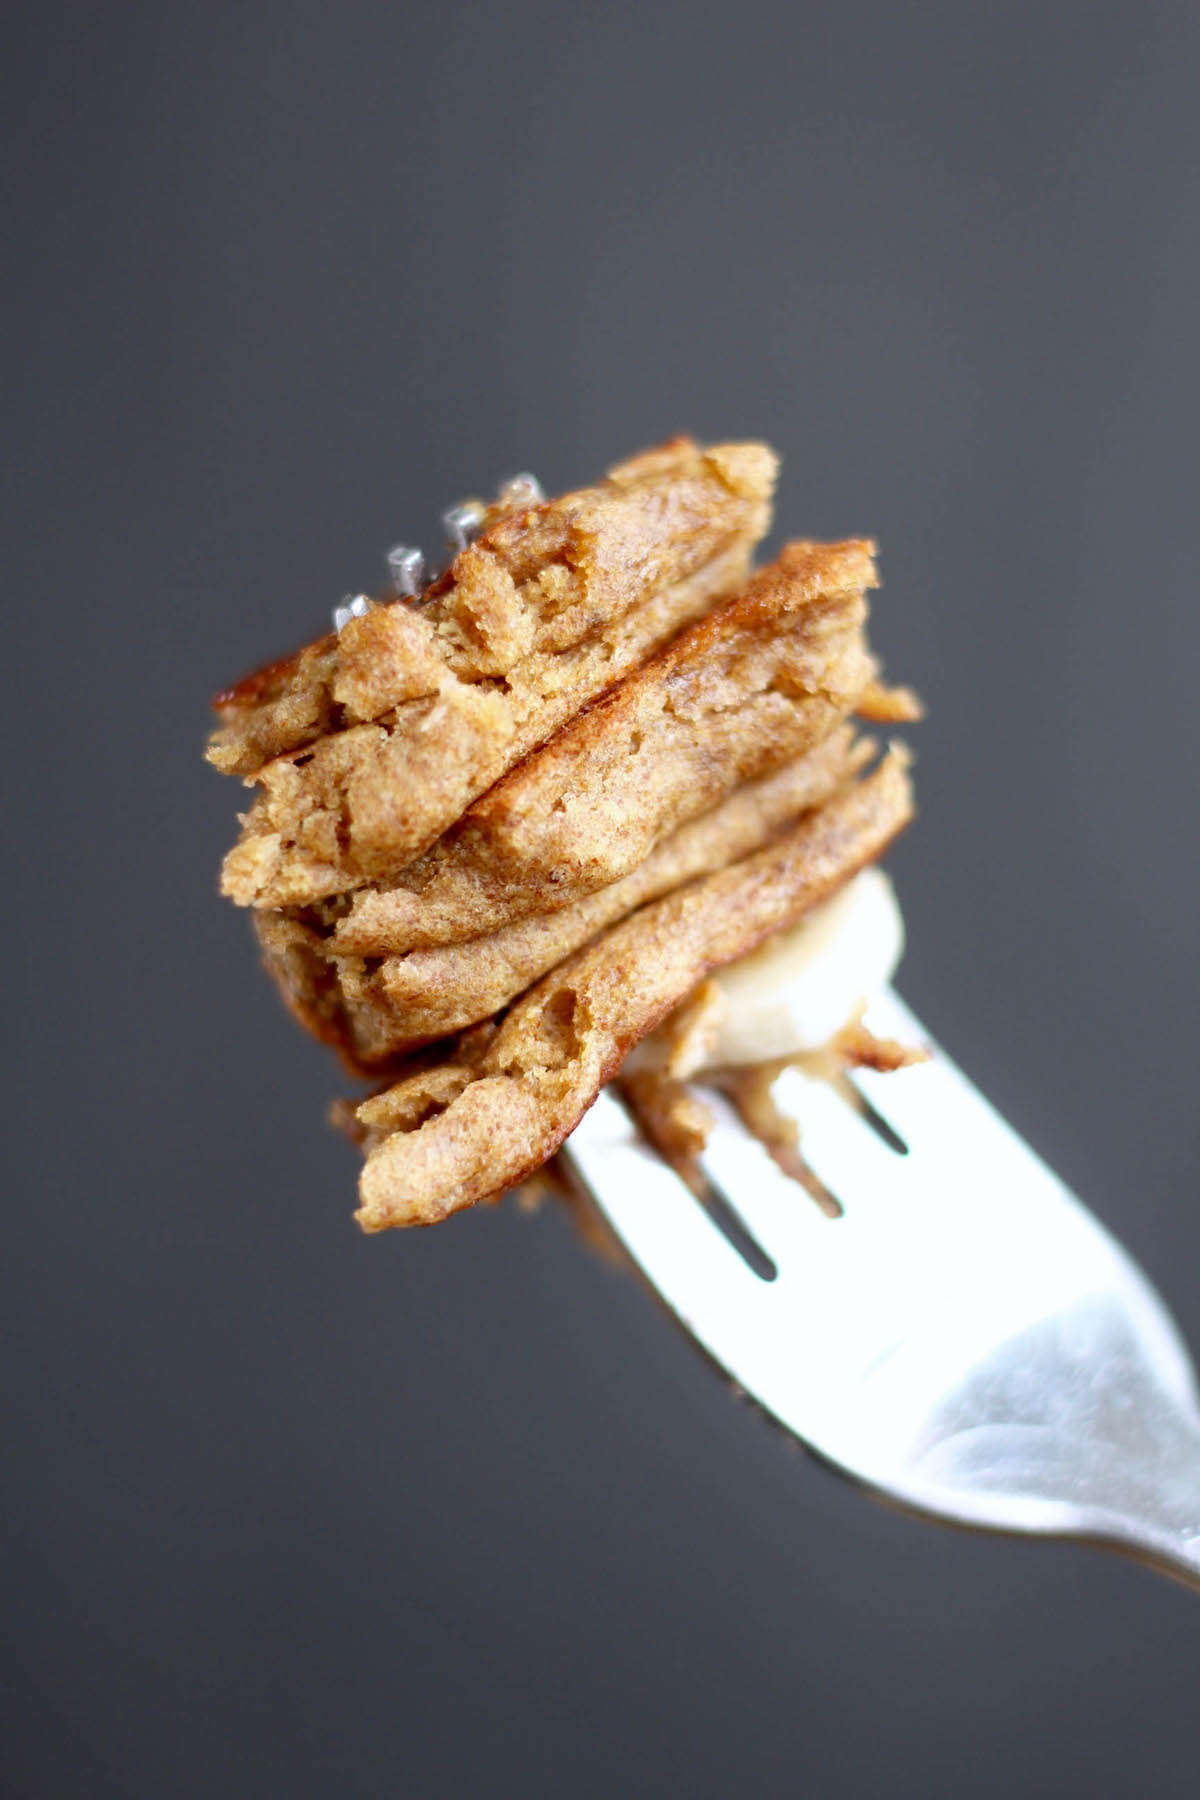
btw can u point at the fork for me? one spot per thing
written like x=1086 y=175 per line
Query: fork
x=964 y=1337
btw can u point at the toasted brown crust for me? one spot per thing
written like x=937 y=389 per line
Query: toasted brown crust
x=379 y=737
x=374 y=1011
x=761 y=679
x=457 y=1131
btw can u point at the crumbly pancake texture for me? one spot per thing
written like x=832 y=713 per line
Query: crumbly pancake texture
x=762 y=678
x=504 y=830
x=368 y=744
x=374 y=1009
x=457 y=1131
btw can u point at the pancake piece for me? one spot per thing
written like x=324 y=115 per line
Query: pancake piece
x=758 y=681
x=373 y=1011
x=506 y=831
x=369 y=743
x=466 y=1126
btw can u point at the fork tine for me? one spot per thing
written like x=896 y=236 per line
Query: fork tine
x=916 y=1101
x=838 y=1145
x=774 y=1209
x=661 y=1223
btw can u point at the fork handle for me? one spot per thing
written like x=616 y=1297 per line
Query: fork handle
x=1155 y=1492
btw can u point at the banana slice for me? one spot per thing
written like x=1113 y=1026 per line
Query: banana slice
x=799 y=989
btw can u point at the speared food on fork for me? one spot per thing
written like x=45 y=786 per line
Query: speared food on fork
x=591 y=804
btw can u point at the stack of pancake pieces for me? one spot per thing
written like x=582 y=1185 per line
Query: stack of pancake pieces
x=506 y=828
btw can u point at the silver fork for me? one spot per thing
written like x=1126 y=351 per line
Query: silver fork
x=965 y=1337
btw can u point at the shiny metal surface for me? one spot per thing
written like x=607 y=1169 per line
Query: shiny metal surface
x=966 y=1337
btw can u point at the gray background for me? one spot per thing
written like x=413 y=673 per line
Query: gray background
x=295 y=1512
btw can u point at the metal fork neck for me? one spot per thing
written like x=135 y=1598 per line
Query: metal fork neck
x=1156 y=1491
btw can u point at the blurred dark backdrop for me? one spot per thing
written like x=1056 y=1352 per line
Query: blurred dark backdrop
x=295 y=1512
